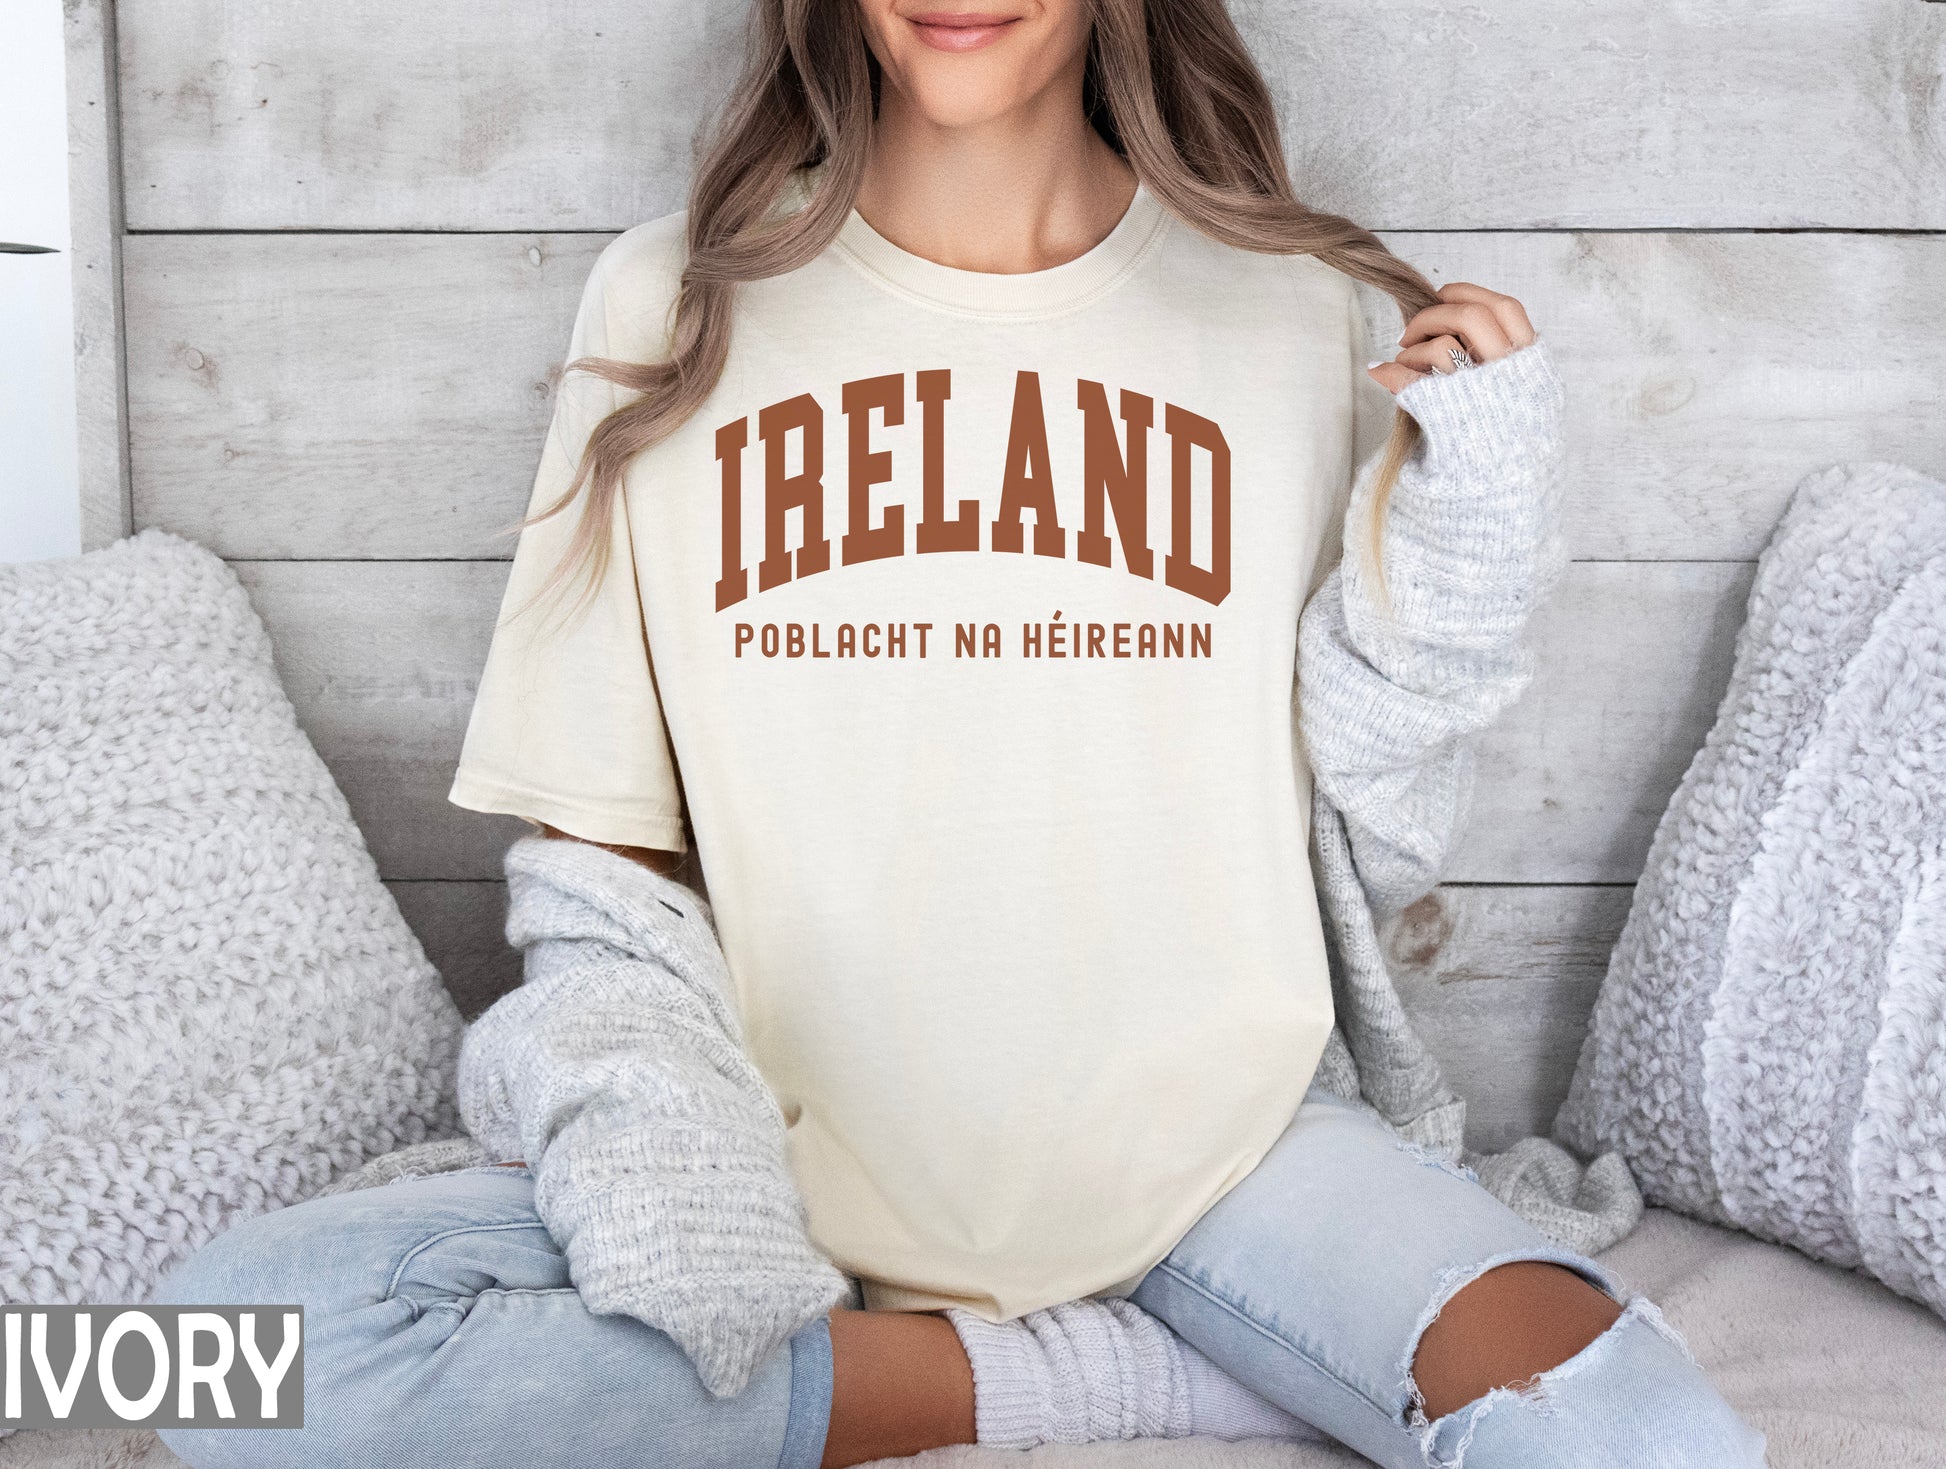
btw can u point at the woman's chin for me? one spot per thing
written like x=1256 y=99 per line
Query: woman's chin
x=961 y=98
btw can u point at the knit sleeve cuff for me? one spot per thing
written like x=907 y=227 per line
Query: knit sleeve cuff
x=1471 y=532
x=1491 y=410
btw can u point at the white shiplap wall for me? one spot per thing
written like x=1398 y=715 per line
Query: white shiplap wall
x=39 y=475
x=356 y=234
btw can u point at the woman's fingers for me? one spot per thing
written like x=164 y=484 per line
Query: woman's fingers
x=1392 y=376
x=1484 y=324
x=1511 y=315
x=1415 y=362
x=1489 y=323
x=1432 y=356
x=1473 y=323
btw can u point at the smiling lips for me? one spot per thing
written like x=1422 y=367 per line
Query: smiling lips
x=960 y=30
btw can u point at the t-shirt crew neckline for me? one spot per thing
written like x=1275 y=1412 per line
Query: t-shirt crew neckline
x=1023 y=296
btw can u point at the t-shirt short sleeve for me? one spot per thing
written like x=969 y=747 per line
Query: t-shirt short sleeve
x=1372 y=413
x=566 y=726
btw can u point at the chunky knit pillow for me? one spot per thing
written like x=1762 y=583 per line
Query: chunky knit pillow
x=1769 y=1047
x=209 y=1004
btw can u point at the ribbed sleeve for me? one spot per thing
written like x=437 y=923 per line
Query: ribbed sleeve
x=1392 y=684
x=618 y=1072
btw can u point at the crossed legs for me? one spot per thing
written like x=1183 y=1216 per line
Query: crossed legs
x=1389 y=1300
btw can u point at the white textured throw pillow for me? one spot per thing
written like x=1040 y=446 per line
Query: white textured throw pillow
x=1769 y=1047
x=209 y=1004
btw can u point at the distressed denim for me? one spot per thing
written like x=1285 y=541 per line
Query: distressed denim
x=1312 y=1280
x=441 y=1328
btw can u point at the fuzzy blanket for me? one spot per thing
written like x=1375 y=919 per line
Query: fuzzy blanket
x=1835 y=1369
x=1769 y=1047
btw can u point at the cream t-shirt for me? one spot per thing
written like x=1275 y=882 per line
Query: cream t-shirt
x=962 y=621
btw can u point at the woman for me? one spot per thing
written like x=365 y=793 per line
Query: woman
x=972 y=446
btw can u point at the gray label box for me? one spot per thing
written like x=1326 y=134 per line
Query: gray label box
x=151 y=1366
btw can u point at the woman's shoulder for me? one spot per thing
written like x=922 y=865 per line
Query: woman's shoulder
x=645 y=261
x=632 y=288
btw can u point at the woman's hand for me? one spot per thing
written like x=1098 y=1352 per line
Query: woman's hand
x=1483 y=323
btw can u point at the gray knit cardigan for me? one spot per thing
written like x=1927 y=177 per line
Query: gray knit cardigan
x=618 y=1071
x=1393 y=684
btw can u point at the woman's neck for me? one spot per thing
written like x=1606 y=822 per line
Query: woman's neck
x=1026 y=191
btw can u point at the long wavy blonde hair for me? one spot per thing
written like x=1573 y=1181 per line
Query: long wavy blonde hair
x=1169 y=85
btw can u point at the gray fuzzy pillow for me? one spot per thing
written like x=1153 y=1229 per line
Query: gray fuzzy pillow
x=1769 y=1047
x=209 y=1004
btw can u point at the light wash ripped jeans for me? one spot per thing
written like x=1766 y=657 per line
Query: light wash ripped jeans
x=441 y=1328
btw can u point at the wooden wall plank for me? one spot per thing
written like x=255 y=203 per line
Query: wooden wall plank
x=1707 y=374
x=95 y=236
x=385 y=395
x=1632 y=661
x=351 y=396
x=447 y=114
x=463 y=927
x=493 y=114
x=1501 y=981
x=381 y=659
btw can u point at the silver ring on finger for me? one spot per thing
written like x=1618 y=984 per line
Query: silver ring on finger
x=1461 y=358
